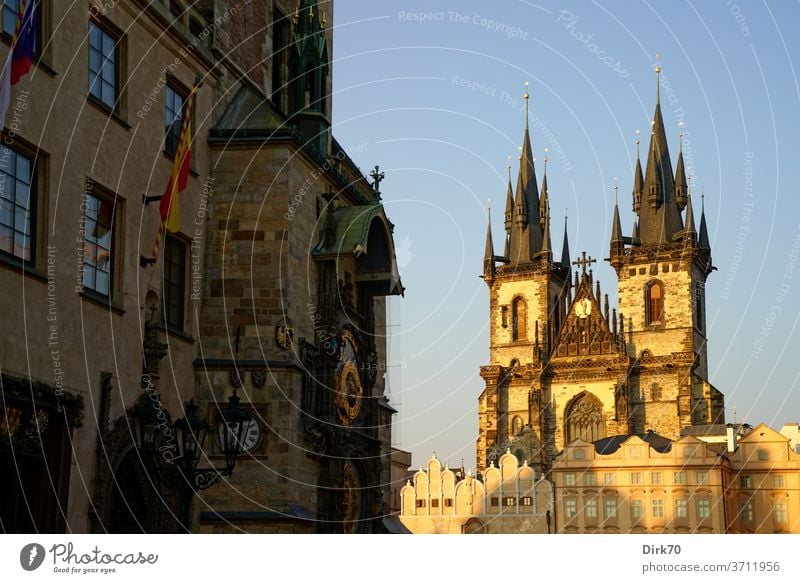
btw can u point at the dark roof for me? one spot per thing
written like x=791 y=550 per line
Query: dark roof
x=249 y=111
x=713 y=429
x=611 y=444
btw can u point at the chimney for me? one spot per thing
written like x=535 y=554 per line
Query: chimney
x=732 y=438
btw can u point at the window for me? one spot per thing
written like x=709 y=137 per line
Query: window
x=495 y=502
x=658 y=508
x=174 y=100
x=280 y=53
x=690 y=451
x=103 y=65
x=655 y=478
x=681 y=509
x=636 y=478
x=585 y=419
x=589 y=479
x=611 y=507
x=777 y=482
x=17 y=204
x=763 y=455
x=516 y=425
x=448 y=502
x=98 y=240
x=526 y=501
x=174 y=287
x=11 y=15
x=637 y=509
x=655 y=393
x=435 y=503
x=569 y=479
x=746 y=511
x=701 y=477
x=779 y=512
x=509 y=501
x=703 y=508
x=745 y=481
x=679 y=478
x=608 y=479
x=579 y=454
x=591 y=508
x=570 y=508
x=655 y=302
x=519 y=329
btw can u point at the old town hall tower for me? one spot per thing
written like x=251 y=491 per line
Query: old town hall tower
x=563 y=364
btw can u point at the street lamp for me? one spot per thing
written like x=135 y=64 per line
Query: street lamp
x=175 y=449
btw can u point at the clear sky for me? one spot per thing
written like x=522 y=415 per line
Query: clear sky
x=432 y=91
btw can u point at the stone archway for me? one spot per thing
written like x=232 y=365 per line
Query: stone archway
x=584 y=419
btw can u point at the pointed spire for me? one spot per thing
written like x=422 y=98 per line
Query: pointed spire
x=617 y=243
x=638 y=180
x=680 y=176
x=544 y=202
x=636 y=239
x=565 y=259
x=488 y=255
x=509 y=216
x=703 y=238
x=689 y=231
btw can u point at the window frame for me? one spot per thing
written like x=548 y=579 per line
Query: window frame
x=590 y=508
x=747 y=511
x=636 y=478
x=175 y=86
x=679 y=477
x=781 y=517
x=610 y=504
x=174 y=239
x=115 y=272
x=570 y=479
x=778 y=481
x=657 y=507
x=32 y=210
x=519 y=323
x=681 y=508
x=570 y=508
x=637 y=509
x=38 y=27
x=118 y=36
x=649 y=320
x=703 y=508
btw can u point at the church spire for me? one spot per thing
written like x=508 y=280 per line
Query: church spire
x=680 y=176
x=544 y=215
x=638 y=180
x=689 y=231
x=703 y=239
x=659 y=214
x=509 y=216
x=565 y=259
x=488 y=255
x=617 y=242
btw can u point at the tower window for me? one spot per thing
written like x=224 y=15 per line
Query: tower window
x=516 y=425
x=519 y=329
x=654 y=300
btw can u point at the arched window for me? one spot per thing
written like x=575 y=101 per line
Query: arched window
x=519 y=328
x=584 y=419
x=654 y=301
x=516 y=426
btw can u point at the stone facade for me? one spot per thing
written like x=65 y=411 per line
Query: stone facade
x=507 y=499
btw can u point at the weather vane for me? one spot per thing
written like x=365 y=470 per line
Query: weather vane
x=378 y=176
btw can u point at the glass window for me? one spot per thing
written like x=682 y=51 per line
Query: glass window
x=519 y=329
x=448 y=502
x=17 y=198
x=589 y=479
x=637 y=509
x=11 y=15
x=611 y=507
x=679 y=477
x=570 y=508
x=435 y=503
x=174 y=287
x=681 y=509
x=174 y=100
x=636 y=478
x=509 y=501
x=779 y=511
x=591 y=508
x=579 y=454
x=746 y=511
x=703 y=508
x=701 y=476
x=777 y=481
x=655 y=303
x=526 y=501
x=569 y=479
x=98 y=239
x=658 y=508
x=608 y=479
x=495 y=501
x=103 y=61
x=745 y=481
x=655 y=477
x=763 y=455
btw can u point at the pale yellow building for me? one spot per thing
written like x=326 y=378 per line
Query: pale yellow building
x=508 y=498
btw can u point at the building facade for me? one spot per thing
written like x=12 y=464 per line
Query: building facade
x=272 y=290
x=564 y=365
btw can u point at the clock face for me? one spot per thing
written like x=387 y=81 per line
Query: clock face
x=251 y=435
x=347 y=389
x=583 y=308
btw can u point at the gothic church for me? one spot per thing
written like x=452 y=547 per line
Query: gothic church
x=563 y=364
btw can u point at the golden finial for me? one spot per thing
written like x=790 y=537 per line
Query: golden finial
x=509 y=168
x=653 y=128
x=637 y=143
x=324 y=17
x=527 y=97
x=311 y=12
x=489 y=207
x=703 y=199
x=658 y=78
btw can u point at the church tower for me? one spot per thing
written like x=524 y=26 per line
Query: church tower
x=662 y=270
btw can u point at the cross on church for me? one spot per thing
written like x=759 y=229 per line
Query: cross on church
x=584 y=261
x=378 y=176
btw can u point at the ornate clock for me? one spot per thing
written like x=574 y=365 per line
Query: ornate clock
x=251 y=435
x=347 y=388
x=350 y=498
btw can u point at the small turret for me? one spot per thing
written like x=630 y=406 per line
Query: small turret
x=565 y=259
x=681 y=187
x=617 y=242
x=488 y=255
x=638 y=180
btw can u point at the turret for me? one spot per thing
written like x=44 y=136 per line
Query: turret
x=638 y=181
x=617 y=242
x=565 y=259
x=681 y=188
x=488 y=255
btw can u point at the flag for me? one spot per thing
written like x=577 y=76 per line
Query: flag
x=20 y=57
x=170 y=213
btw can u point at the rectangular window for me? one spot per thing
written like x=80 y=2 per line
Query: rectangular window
x=17 y=204
x=763 y=455
x=779 y=511
x=420 y=503
x=448 y=502
x=611 y=507
x=103 y=65
x=526 y=501
x=570 y=508
x=637 y=509
x=681 y=509
x=636 y=478
x=435 y=503
x=569 y=479
x=745 y=481
x=746 y=511
x=608 y=479
x=174 y=100
x=777 y=481
x=495 y=502
x=589 y=479
x=98 y=244
x=509 y=501
x=679 y=478
x=10 y=16
x=281 y=36
x=701 y=477
x=655 y=478
x=658 y=508
x=703 y=508
x=174 y=287
x=591 y=508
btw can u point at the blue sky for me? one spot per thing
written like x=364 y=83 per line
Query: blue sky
x=432 y=91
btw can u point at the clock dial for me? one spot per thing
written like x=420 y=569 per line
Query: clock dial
x=583 y=308
x=251 y=435
x=347 y=390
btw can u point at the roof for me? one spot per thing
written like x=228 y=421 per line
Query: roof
x=249 y=111
x=611 y=444
x=352 y=229
x=713 y=429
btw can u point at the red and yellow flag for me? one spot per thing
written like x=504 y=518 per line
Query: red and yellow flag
x=170 y=208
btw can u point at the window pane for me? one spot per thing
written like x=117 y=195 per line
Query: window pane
x=94 y=36
x=6 y=239
x=108 y=45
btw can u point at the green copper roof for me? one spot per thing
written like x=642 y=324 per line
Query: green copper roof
x=351 y=230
